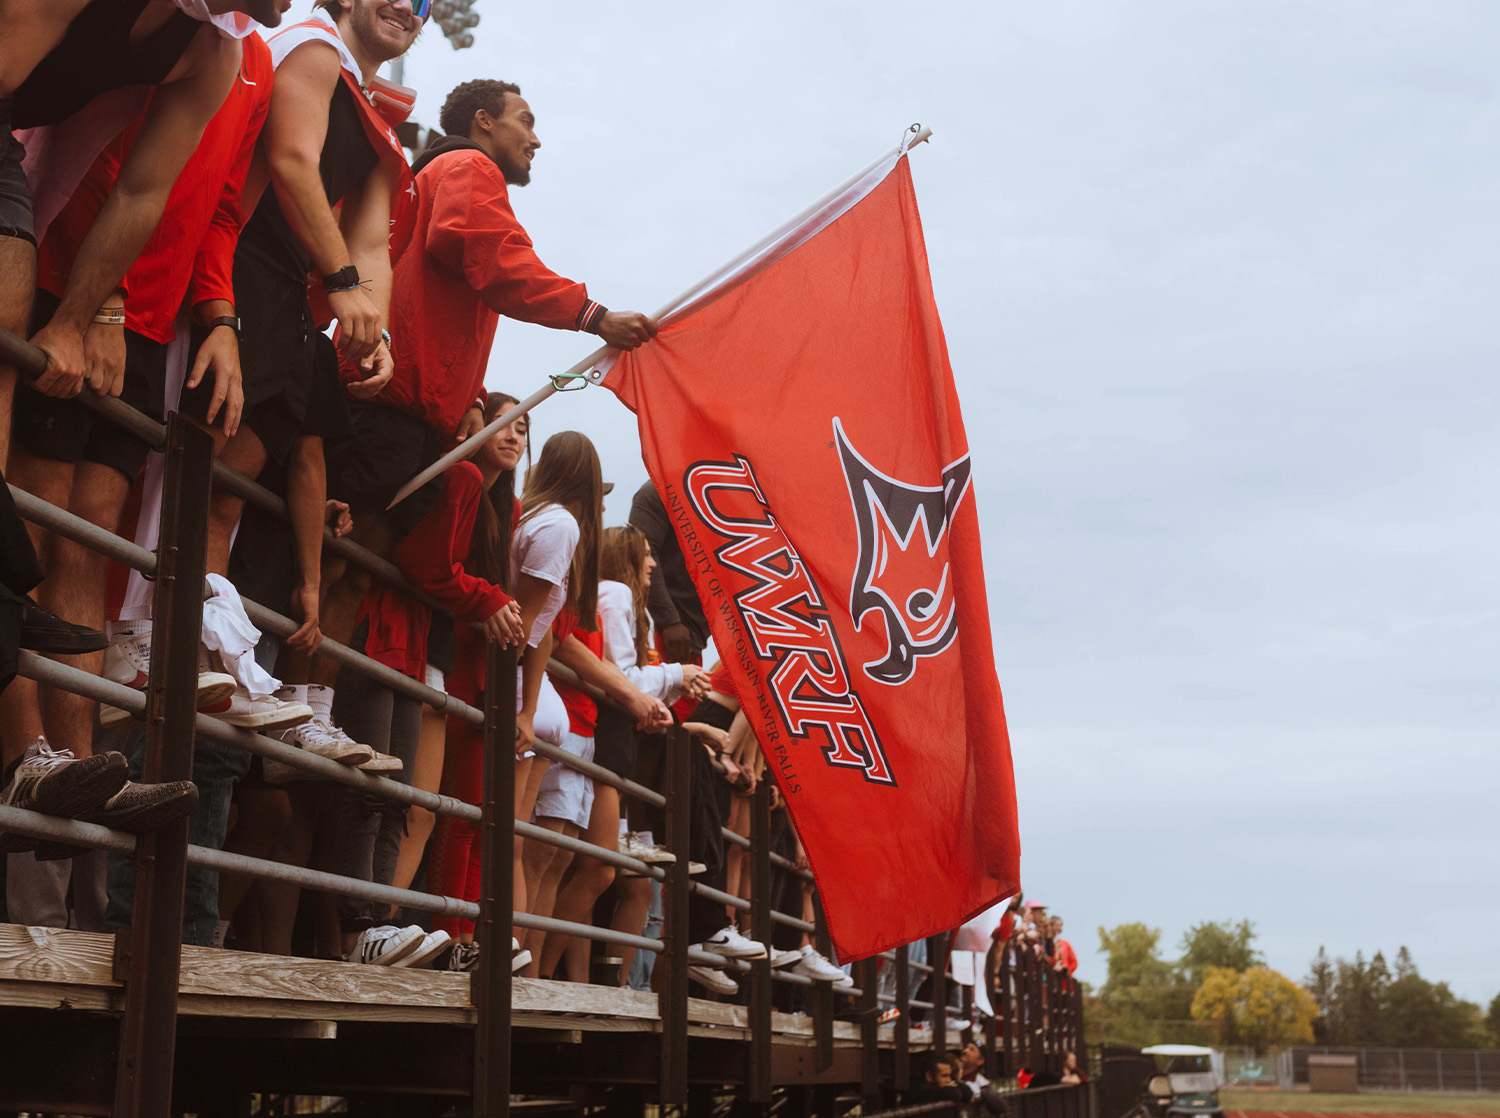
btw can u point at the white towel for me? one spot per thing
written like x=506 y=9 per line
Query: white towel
x=227 y=630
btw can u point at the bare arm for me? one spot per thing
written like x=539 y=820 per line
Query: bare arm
x=30 y=29
x=295 y=130
x=649 y=713
x=306 y=498
x=365 y=222
x=179 y=112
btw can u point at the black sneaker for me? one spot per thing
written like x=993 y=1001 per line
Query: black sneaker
x=139 y=808
x=136 y=808
x=54 y=782
x=49 y=634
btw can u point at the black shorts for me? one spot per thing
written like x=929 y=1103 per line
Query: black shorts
x=323 y=413
x=194 y=402
x=387 y=449
x=614 y=741
x=15 y=191
x=69 y=431
x=712 y=714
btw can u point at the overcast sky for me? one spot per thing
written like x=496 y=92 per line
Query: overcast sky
x=1219 y=284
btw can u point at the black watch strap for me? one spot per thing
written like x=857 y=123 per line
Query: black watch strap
x=345 y=279
x=228 y=320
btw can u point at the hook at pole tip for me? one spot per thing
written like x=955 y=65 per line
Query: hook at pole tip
x=916 y=134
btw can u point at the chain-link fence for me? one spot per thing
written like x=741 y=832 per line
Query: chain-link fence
x=1412 y=1069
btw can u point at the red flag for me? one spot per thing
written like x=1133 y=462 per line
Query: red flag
x=804 y=431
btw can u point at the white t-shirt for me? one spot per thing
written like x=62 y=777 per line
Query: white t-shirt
x=543 y=546
x=617 y=623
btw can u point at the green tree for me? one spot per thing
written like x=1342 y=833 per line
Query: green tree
x=1362 y=1003
x=1492 y=1021
x=1319 y=983
x=1142 y=991
x=1217 y=944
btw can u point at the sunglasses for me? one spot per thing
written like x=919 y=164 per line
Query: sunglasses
x=421 y=8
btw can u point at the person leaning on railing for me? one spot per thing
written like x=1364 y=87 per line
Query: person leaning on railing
x=457 y=555
x=626 y=566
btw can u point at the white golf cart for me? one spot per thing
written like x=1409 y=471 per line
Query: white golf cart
x=1187 y=1082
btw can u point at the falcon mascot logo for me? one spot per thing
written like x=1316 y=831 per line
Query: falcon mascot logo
x=898 y=574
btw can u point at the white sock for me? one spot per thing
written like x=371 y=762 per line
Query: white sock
x=114 y=630
x=320 y=698
x=221 y=932
x=292 y=692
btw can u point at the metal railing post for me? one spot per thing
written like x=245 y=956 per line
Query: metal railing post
x=903 y=1021
x=869 y=1033
x=822 y=996
x=490 y=986
x=939 y=991
x=759 y=1076
x=672 y=997
x=153 y=946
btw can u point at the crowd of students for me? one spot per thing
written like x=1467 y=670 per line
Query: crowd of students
x=197 y=217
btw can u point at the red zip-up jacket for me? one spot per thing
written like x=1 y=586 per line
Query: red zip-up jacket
x=432 y=556
x=468 y=263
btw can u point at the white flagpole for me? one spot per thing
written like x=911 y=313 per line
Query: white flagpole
x=914 y=135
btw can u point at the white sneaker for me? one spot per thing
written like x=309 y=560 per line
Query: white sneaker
x=269 y=715
x=127 y=661
x=729 y=943
x=386 y=945
x=781 y=959
x=634 y=845
x=813 y=965
x=433 y=944
x=322 y=738
x=845 y=982
x=715 y=980
x=380 y=763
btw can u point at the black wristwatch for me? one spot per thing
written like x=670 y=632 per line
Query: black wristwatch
x=345 y=279
x=228 y=320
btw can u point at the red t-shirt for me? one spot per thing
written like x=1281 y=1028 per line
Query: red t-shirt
x=721 y=681
x=583 y=711
x=193 y=246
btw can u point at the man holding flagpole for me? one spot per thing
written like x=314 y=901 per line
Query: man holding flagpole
x=470 y=262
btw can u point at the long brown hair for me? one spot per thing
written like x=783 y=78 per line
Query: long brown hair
x=623 y=559
x=567 y=473
x=489 y=551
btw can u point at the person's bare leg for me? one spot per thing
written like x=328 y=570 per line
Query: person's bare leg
x=17 y=287
x=734 y=858
x=339 y=609
x=545 y=866
x=20 y=704
x=244 y=454
x=529 y=772
x=631 y=911
x=587 y=883
x=426 y=774
x=264 y=814
x=75 y=589
x=279 y=900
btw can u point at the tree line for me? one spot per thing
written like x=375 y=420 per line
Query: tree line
x=1367 y=1003
x=1219 y=991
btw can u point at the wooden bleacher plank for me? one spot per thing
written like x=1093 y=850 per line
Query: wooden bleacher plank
x=59 y=969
